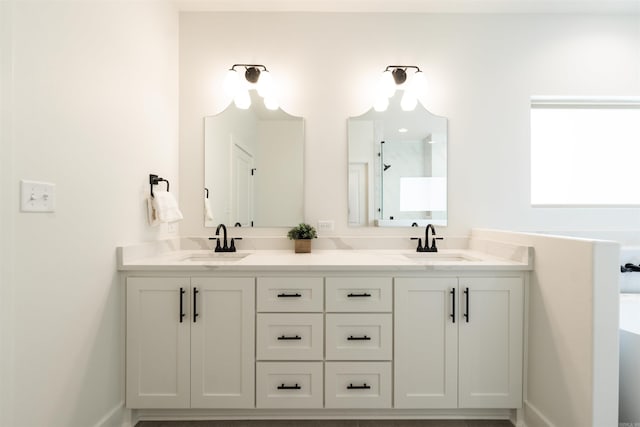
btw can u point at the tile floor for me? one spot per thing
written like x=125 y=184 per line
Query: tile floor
x=331 y=423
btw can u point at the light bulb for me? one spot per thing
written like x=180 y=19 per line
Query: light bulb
x=418 y=82
x=231 y=83
x=408 y=101
x=381 y=104
x=271 y=102
x=265 y=84
x=242 y=99
x=386 y=84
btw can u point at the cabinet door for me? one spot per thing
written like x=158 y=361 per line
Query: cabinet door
x=157 y=343
x=426 y=343
x=491 y=343
x=222 y=343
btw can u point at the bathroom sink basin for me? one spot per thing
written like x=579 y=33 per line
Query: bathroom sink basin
x=218 y=257
x=434 y=257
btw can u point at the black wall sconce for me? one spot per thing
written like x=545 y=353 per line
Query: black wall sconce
x=395 y=77
x=256 y=76
x=251 y=71
x=399 y=72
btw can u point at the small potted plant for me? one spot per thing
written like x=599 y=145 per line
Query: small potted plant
x=302 y=235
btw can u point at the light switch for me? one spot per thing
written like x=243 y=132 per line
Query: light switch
x=325 y=226
x=37 y=196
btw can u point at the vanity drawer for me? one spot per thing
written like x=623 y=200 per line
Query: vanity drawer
x=289 y=336
x=359 y=336
x=290 y=294
x=289 y=385
x=359 y=294
x=357 y=385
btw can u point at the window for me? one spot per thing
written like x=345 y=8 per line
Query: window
x=585 y=152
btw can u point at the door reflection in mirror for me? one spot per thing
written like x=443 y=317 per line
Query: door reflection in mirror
x=254 y=167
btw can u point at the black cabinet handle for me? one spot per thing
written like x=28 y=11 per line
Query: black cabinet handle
x=195 y=304
x=182 y=291
x=466 y=308
x=285 y=295
x=358 y=387
x=453 y=305
x=289 y=387
x=364 y=294
x=363 y=338
x=283 y=337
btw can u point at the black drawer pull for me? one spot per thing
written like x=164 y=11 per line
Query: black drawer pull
x=466 y=308
x=182 y=314
x=358 y=387
x=289 y=387
x=283 y=337
x=363 y=338
x=195 y=305
x=285 y=295
x=453 y=305
x=352 y=295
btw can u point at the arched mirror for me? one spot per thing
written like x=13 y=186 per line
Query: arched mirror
x=397 y=167
x=253 y=168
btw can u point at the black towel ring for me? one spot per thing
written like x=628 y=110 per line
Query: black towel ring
x=155 y=180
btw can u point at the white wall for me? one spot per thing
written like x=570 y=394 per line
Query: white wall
x=572 y=357
x=92 y=107
x=481 y=71
x=6 y=232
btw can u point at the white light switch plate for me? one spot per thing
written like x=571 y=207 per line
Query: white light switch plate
x=325 y=226
x=37 y=196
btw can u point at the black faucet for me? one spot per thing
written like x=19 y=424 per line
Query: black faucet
x=225 y=246
x=427 y=247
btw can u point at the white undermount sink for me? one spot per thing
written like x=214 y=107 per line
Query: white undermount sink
x=432 y=257
x=218 y=257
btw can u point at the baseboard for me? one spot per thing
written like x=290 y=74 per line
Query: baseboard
x=534 y=418
x=319 y=414
x=119 y=416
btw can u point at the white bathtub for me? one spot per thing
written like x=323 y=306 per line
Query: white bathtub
x=630 y=359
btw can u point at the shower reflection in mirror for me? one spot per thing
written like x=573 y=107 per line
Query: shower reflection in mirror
x=397 y=166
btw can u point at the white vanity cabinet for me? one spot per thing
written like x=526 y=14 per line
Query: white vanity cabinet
x=290 y=342
x=326 y=343
x=458 y=342
x=190 y=342
x=158 y=343
x=490 y=353
x=426 y=343
x=359 y=342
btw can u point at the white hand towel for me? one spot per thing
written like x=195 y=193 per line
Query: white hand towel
x=166 y=207
x=152 y=216
x=208 y=213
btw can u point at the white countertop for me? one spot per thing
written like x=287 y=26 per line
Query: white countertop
x=174 y=258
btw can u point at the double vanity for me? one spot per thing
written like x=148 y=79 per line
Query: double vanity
x=342 y=332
